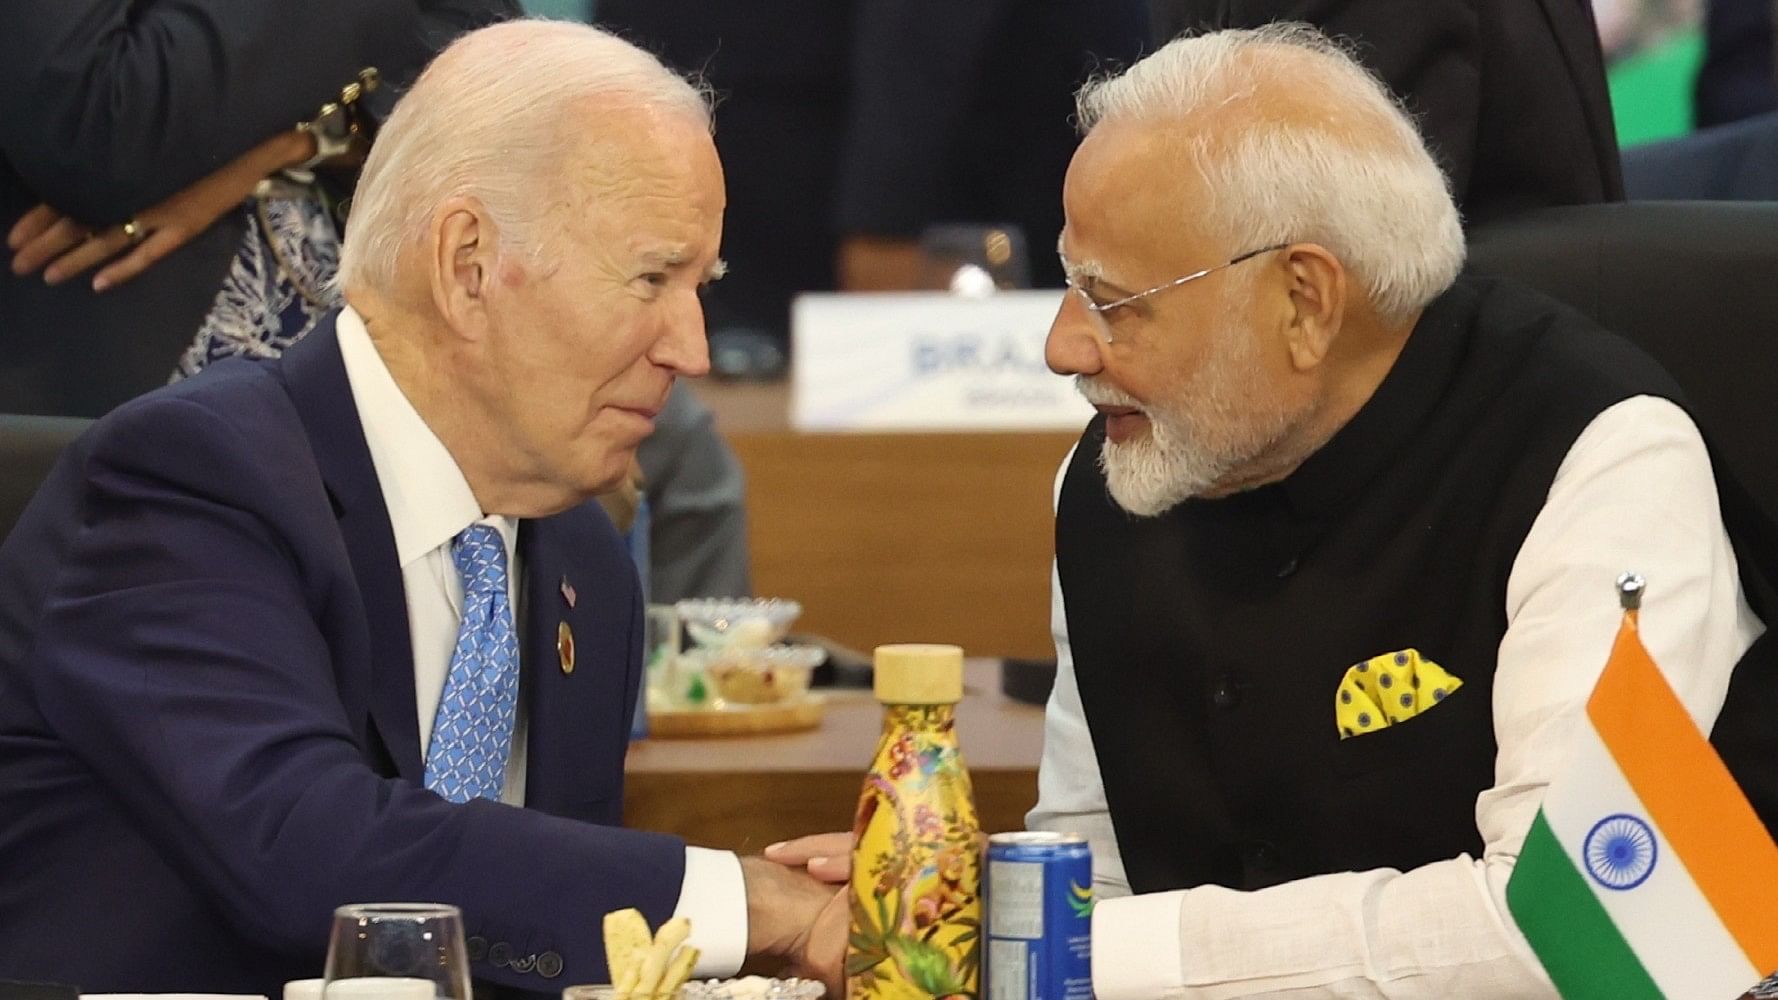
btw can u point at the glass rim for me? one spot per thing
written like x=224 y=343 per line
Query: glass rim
x=605 y=991
x=708 y=989
x=398 y=911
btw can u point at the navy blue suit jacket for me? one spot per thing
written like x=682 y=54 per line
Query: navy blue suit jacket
x=208 y=733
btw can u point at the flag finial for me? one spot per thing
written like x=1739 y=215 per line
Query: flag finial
x=1629 y=591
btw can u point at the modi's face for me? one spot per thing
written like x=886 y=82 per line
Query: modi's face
x=1191 y=379
x=592 y=335
x=1194 y=432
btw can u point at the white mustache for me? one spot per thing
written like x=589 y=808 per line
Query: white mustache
x=1104 y=395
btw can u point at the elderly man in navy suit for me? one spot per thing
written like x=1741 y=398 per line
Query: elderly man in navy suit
x=301 y=633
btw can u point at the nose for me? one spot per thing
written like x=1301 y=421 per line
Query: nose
x=683 y=346
x=1073 y=346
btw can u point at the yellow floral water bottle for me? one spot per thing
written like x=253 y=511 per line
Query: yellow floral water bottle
x=916 y=866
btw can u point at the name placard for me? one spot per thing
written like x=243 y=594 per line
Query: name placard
x=914 y=361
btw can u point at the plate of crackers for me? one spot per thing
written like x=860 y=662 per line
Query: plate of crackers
x=658 y=966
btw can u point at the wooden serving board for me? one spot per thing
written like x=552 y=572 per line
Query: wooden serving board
x=737 y=720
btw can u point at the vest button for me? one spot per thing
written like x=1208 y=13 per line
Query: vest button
x=1226 y=694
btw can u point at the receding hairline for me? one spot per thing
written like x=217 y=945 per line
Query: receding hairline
x=1264 y=79
x=1296 y=139
x=471 y=126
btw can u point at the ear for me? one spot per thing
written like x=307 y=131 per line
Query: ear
x=1318 y=302
x=461 y=264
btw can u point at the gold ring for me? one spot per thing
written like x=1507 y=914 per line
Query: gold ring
x=135 y=231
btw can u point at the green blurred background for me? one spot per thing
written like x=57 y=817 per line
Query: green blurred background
x=1651 y=89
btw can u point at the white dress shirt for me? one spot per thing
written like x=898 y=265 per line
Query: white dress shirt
x=429 y=504
x=1635 y=491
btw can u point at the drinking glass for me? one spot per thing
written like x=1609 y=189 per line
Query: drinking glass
x=420 y=941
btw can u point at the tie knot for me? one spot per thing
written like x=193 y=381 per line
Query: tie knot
x=480 y=555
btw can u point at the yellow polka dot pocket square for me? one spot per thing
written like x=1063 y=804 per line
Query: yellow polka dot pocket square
x=1388 y=689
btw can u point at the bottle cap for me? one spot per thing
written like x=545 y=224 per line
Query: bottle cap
x=919 y=674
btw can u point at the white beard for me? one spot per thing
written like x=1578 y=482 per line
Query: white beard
x=1220 y=419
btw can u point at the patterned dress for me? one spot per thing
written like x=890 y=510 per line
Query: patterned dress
x=280 y=284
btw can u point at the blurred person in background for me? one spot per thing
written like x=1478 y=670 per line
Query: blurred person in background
x=109 y=291
x=1733 y=154
x=1739 y=77
x=1510 y=94
x=697 y=505
x=133 y=137
x=850 y=127
x=847 y=129
x=960 y=113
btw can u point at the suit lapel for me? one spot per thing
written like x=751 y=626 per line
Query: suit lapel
x=579 y=719
x=316 y=377
x=1571 y=24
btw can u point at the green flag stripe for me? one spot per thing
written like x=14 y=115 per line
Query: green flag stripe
x=1568 y=927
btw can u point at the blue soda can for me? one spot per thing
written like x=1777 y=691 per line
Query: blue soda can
x=1040 y=917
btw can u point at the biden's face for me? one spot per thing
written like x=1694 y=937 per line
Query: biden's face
x=589 y=338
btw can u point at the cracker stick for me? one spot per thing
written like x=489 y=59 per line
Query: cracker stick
x=678 y=972
x=626 y=947
x=666 y=941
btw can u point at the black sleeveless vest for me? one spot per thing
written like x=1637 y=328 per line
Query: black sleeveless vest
x=1209 y=642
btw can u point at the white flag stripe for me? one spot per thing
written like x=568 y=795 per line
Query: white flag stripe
x=1666 y=920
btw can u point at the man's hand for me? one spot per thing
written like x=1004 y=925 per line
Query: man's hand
x=792 y=916
x=824 y=957
x=827 y=856
x=44 y=239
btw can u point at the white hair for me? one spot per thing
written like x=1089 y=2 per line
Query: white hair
x=1326 y=156
x=489 y=119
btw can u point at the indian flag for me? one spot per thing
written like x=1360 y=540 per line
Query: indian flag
x=1646 y=873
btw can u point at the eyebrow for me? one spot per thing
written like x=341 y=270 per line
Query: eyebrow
x=669 y=258
x=1078 y=269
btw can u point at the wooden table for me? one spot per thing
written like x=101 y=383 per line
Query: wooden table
x=898 y=537
x=742 y=793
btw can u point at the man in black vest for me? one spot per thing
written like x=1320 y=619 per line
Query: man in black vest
x=1322 y=451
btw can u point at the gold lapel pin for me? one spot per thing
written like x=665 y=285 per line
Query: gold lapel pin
x=565 y=647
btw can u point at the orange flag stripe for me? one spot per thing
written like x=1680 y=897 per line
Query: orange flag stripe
x=1690 y=795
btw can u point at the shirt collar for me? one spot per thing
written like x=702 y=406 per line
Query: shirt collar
x=428 y=498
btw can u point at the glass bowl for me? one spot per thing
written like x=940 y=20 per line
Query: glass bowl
x=739 y=621
x=748 y=988
x=768 y=676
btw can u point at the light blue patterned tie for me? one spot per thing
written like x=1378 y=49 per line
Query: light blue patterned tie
x=472 y=733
